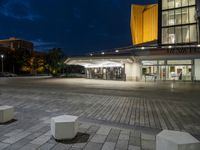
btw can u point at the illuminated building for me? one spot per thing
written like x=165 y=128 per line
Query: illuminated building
x=13 y=44
x=166 y=45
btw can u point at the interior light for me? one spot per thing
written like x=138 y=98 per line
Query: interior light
x=142 y=48
x=170 y=46
x=198 y=45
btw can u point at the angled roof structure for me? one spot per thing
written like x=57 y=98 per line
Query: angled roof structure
x=144 y=23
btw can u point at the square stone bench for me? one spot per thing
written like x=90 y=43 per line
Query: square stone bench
x=64 y=127
x=176 y=140
x=6 y=113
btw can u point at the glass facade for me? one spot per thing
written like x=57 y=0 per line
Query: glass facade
x=179 y=23
x=167 y=70
x=108 y=73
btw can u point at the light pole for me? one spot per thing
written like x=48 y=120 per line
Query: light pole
x=2 y=56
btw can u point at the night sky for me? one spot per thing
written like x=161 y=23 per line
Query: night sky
x=77 y=26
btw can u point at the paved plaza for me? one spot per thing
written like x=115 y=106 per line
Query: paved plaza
x=112 y=114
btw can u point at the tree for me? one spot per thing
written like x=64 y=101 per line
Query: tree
x=55 y=60
x=34 y=65
x=22 y=57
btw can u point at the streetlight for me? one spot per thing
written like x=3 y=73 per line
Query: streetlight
x=2 y=56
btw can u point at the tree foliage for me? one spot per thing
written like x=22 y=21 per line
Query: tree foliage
x=55 y=60
x=22 y=61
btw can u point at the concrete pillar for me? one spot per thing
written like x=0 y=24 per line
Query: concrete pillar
x=197 y=69
x=133 y=71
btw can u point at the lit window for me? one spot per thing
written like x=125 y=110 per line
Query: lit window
x=178 y=16
x=164 y=4
x=185 y=16
x=165 y=18
x=192 y=14
x=171 y=17
x=193 y=33
x=165 y=35
x=178 y=3
x=192 y=2
x=171 y=35
x=185 y=34
x=170 y=3
x=178 y=31
x=185 y=3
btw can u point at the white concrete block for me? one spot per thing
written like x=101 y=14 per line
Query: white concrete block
x=176 y=140
x=6 y=113
x=64 y=127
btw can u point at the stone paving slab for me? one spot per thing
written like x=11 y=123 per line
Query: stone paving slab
x=133 y=111
x=106 y=122
x=93 y=137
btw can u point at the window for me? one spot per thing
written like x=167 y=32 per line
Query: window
x=179 y=62
x=171 y=18
x=149 y=62
x=185 y=16
x=178 y=31
x=186 y=34
x=165 y=18
x=170 y=3
x=185 y=3
x=193 y=33
x=164 y=4
x=165 y=35
x=171 y=35
x=178 y=3
x=192 y=2
x=161 y=62
x=179 y=21
x=192 y=14
x=178 y=16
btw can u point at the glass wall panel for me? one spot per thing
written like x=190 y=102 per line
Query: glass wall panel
x=164 y=4
x=149 y=62
x=192 y=14
x=179 y=62
x=193 y=33
x=171 y=35
x=170 y=3
x=178 y=3
x=186 y=34
x=179 y=23
x=178 y=31
x=185 y=3
x=171 y=18
x=178 y=16
x=165 y=35
x=192 y=2
x=185 y=16
x=165 y=18
x=161 y=62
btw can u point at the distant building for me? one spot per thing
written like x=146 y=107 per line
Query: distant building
x=15 y=43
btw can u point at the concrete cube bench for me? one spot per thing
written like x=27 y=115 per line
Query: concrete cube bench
x=6 y=113
x=64 y=127
x=175 y=140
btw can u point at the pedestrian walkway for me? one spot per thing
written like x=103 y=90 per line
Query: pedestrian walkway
x=108 y=121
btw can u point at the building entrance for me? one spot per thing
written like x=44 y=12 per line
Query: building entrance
x=167 y=70
x=109 y=73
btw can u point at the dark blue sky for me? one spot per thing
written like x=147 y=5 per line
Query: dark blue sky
x=77 y=26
